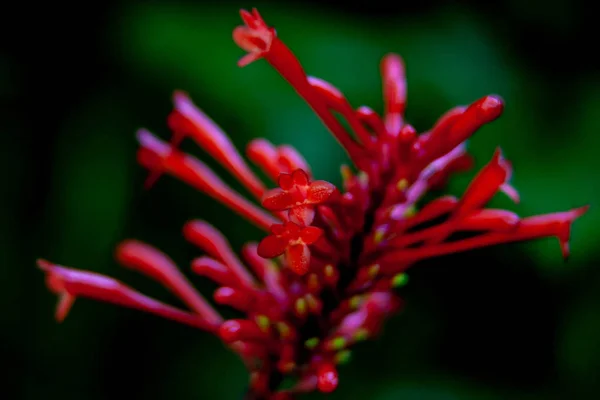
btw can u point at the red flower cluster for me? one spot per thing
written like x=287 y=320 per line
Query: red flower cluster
x=343 y=251
x=298 y=196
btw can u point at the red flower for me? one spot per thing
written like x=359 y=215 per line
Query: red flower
x=370 y=232
x=299 y=195
x=292 y=239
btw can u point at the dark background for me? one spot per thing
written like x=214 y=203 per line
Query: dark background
x=77 y=80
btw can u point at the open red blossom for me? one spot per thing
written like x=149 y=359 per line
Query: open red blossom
x=299 y=195
x=295 y=189
x=369 y=233
x=292 y=239
x=256 y=37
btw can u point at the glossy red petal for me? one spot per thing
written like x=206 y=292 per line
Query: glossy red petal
x=310 y=234
x=302 y=215
x=271 y=246
x=319 y=192
x=285 y=181
x=292 y=229
x=277 y=200
x=300 y=177
x=249 y=19
x=278 y=229
x=298 y=258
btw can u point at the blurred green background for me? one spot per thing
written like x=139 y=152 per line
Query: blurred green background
x=76 y=81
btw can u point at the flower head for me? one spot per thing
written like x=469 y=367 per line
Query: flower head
x=324 y=275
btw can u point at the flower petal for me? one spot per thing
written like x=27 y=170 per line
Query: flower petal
x=271 y=246
x=300 y=177
x=319 y=192
x=298 y=258
x=285 y=181
x=302 y=215
x=310 y=234
x=277 y=200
